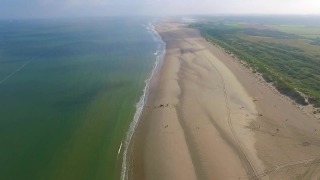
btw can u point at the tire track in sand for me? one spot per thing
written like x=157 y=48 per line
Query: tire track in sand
x=234 y=134
x=272 y=169
x=285 y=166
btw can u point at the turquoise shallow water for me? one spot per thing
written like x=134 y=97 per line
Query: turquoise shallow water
x=68 y=90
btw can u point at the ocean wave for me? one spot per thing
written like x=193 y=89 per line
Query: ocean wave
x=160 y=53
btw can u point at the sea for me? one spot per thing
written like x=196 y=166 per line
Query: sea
x=71 y=94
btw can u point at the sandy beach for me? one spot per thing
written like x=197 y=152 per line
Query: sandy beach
x=208 y=117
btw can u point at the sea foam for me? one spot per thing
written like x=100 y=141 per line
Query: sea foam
x=160 y=53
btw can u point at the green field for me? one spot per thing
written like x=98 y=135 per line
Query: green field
x=302 y=30
x=285 y=51
x=68 y=90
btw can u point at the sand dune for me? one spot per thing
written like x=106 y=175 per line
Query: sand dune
x=208 y=118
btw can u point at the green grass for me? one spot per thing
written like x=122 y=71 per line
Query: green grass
x=302 y=30
x=287 y=60
x=64 y=115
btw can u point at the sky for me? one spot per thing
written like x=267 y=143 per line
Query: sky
x=84 y=8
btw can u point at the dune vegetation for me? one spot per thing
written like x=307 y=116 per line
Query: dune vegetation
x=285 y=57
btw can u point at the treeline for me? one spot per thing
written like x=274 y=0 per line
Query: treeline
x=292 y=72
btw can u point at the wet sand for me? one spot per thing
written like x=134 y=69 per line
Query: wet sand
x=207 y=117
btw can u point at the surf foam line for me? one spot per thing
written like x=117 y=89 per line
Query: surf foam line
x=160 y=53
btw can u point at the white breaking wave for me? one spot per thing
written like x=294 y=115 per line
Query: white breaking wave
x=140 y=105
x=156 y=53
x=119 y=149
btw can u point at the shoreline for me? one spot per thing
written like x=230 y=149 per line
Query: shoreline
x=140 y=106
x=207 y=117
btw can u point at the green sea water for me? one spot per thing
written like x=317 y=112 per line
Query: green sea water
x=68 y=90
